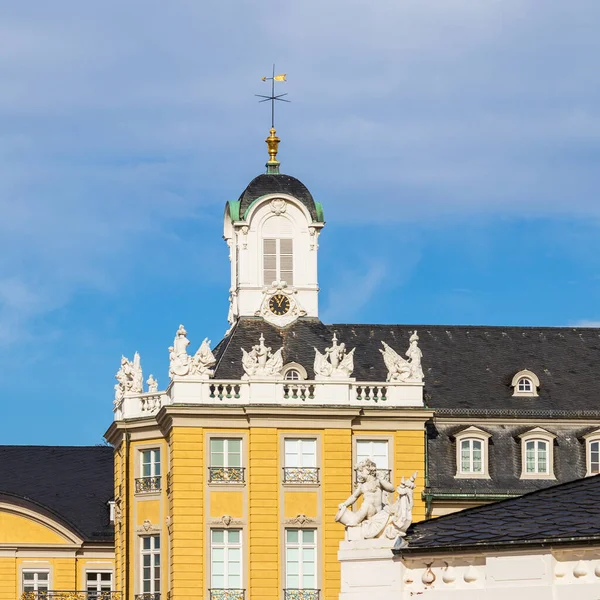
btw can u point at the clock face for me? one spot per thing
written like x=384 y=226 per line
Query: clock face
x=279 y=304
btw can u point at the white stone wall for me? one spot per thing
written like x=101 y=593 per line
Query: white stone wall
x=370 y=571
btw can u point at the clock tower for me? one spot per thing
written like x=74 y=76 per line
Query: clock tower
x=272 y=232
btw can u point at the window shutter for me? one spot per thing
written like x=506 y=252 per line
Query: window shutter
x=286 y=260
x=269 y=261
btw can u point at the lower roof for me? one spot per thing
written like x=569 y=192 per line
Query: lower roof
x=561 y=514
x=71 y=483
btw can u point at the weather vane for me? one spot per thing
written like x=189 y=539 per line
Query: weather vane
x=273 y=97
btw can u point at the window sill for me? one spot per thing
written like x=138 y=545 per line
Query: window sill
x=548 y=476
x=149 y=493
x=227 y=484
x=300 y=485
x=472 y=476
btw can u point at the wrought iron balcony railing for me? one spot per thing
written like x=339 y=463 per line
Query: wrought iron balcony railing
x=300 y=475
x=144 y=485
x=226 y=594
x=148 y=596
x=226 y=474
x=70 y=595
x=385 y=474
x=301 y=594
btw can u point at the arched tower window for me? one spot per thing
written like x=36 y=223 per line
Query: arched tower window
x=278 y=251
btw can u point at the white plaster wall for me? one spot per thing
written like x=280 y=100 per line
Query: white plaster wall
x=534 y=575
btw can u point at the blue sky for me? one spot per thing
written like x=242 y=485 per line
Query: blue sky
x=454 y=145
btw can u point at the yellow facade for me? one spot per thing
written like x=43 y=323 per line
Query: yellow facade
x=187 y=506
x=30 y=540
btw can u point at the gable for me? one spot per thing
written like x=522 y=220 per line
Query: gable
x=23 y=526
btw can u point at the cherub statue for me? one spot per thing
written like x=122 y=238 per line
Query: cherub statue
x=370 y=516
x=335 y=362
x=261 y=361
x=401 y=510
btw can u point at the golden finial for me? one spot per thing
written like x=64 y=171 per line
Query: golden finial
x=273 y=146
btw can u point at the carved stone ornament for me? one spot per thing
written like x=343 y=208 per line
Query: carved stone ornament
x=278 y=206
x=377 y=517
x=147 y=526
x=152 y=384
x=261 y=363
x=336 y=363
x=184 y=365
x=280 y=288
x=300 y=520
x=232 y=315
x=400 y=369
x=226 y=521
x=129 y=379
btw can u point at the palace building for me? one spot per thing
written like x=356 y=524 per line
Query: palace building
x=226 y=483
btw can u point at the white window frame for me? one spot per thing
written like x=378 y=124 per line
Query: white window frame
x=473 y=434
x=155 y=465
x=226 y=441
x=226 y=545
x=97 y=572
x=301 y=457
x=290 y=367
x=153 y=553
x=278 y=254
x=383 y=441
x=301 y=545
x=591 y=438
x=36 y=582
x=538 y=435
x=534 y=380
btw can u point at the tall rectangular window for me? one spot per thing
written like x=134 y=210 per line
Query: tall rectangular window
x=225 y=452
x=226 y=559
x=594 y=457
x=150 y=463
x=536 y=456
x=35 y=580
x=300 y=452
x=300 y=559
x=376 y=450
x=98 y=581
x=278 y=260
x=471 y=456
x=150 y=574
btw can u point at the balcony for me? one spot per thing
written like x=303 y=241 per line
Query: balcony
x=226 y=475
x=148 y=596
x=146 y=485
x=384 y=474
x=68 y=595
x=226 y=594
x=301 y=475
x=304 y=594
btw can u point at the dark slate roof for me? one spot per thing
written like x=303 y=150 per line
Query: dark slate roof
x=274 y=183
x=466 y=368
x=70 y=483
x=504 y=460
x=560 y=514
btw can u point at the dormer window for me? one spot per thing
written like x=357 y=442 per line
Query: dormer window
x=294 y=372
x=592 y=446
x=537 y=454
x=525 y=384
x=472 y=453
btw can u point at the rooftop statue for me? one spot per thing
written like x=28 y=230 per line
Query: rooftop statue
x=261 y=362
x=376 y=517
x=335 y=363
x=152 y=384
x=182 y=364
x=400 y=369
x=129 y=379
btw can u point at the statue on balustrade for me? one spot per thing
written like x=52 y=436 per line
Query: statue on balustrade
x=376 y=517
x=129 y=379
x=181 y=364
x=261 y=362
x=336 y=363
x=400 y=369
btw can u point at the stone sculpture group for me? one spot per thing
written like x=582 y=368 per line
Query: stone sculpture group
x=377 y=517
